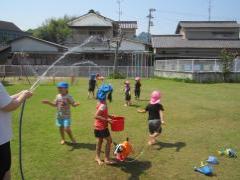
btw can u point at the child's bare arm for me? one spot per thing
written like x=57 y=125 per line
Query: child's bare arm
x=141 y=111
x=161 y=116
x=53 y=104
x=75 y=104
x=72 y=102
x=98 y=116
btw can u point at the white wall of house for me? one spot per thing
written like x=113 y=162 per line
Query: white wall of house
x=129 y=33
x=91 y=20
x=79 y=35
x=211 y=33
x=31 y=45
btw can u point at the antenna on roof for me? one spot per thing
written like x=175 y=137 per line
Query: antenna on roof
x=119 y=9
x=209 y=9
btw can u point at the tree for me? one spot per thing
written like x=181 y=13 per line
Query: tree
x=53 y=29
x=143 y=36
x=227 y=60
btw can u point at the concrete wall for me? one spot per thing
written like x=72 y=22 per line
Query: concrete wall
x=206 y=77
x=170 y=74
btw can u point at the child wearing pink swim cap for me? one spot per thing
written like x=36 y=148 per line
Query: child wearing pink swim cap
x=155 y=116
x=127 y=92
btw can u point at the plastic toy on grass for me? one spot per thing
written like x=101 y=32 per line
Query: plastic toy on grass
x=205 y=169
x=123 y=150
x=228 y=152
x=212 y=160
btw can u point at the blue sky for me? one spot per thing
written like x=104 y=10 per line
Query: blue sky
x=31 y=13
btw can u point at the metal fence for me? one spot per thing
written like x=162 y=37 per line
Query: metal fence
x=194 y=65
x=77 y=71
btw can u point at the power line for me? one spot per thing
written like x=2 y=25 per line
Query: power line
x=196 y=15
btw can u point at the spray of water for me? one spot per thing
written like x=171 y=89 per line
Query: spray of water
x=22 y=55
x=85 y=62
x=72 y=50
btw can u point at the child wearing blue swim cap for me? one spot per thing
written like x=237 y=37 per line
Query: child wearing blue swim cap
x=63 y=102
x=102 y=119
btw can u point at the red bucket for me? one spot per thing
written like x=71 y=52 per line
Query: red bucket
x=117 y=124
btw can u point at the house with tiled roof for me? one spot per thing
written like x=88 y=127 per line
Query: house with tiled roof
x=37 y=51
x=8 y=32
x=95 y=24
x=197 y=40
x=103 y=34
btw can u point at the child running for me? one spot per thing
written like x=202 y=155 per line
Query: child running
x=127 y=93
x=62 y=103
x=137 y=89
x=102 y=119
x=155 y=116
x=92 y=85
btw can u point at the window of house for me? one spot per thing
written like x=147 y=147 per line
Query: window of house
x=96 y=33
x=223 y=34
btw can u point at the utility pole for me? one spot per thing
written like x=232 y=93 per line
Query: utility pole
x=209 y=9
x=150 y=23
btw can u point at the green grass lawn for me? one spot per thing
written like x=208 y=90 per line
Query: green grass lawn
x=201 y=118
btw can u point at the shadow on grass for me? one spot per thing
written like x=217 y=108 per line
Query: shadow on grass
x=135 y=169
x=147 y=100
x=135 y=106
x=177 y=145
x=75 y=146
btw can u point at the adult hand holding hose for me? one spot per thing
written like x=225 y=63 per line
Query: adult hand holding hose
x=17 y=100
x=7 y=105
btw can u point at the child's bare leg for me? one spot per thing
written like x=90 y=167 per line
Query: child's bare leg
x=154 y=135
x=61 y=130
x=107 y=150
x=153 y=138
x=98 y=150
x=69 y=132
x=150 y=140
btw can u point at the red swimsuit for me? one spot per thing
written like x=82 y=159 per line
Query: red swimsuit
x=101 y=124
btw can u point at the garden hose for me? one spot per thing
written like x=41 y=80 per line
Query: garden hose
x=20 y=139
x=142 y=149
